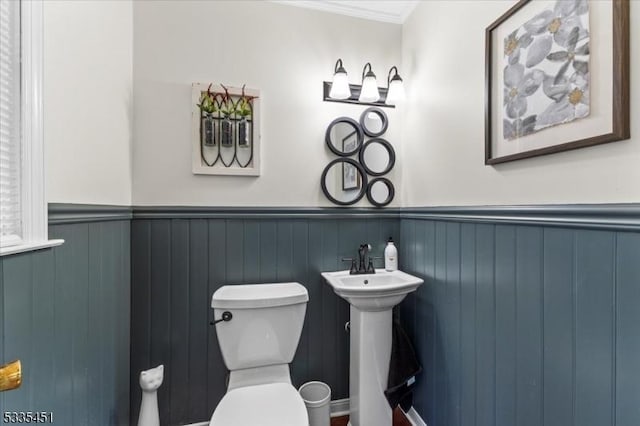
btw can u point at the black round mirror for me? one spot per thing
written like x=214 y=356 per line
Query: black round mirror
x=380 y=192
x=344 y=136
x=377 y=156
x=344 y=181
x=374 y=122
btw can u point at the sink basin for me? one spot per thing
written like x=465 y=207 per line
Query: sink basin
x=372 y=298
x=372 y=292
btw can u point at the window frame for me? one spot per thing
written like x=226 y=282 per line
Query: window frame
x=34 y=205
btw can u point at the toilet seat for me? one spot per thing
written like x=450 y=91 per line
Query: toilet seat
x=273 y=404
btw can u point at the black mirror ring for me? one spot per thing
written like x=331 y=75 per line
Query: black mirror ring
x=363 y=185
x=357 y=129
x=383 y=118
x=390 y=150
x=390 y=187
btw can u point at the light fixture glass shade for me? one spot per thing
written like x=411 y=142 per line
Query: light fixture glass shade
x=369 y=92
x=396 y=92
x=340 y=86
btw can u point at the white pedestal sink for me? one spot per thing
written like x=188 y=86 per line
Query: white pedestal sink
x=372 y=297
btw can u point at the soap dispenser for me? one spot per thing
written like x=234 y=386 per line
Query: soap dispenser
x=390 y=256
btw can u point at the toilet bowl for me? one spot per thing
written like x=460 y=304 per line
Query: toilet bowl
x=258 y=340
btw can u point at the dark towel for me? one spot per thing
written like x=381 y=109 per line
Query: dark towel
x=403 y=366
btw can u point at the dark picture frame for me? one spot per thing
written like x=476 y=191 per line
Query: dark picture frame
x=350 y=175
x=620 y=99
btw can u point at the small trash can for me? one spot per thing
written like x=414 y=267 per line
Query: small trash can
x=317 y=396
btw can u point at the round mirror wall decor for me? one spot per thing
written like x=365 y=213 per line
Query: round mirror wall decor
x=344 y=136
x=377 y=156
x=374 y=122
x=380 y=192
x=344 y=181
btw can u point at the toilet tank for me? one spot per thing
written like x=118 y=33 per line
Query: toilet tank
x=265 y=326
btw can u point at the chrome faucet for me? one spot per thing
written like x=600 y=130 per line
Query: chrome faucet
x=365 y=262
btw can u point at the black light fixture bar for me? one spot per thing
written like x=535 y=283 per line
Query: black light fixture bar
x=355 y=94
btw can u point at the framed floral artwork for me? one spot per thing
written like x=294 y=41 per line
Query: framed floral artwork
x=557 y=78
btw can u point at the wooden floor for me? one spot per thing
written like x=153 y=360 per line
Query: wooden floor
x=398 y=419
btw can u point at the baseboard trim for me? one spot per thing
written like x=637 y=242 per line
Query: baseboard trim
x=340 y=407
x=414 y=418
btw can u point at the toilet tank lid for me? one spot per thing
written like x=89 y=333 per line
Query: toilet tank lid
x=247 y=296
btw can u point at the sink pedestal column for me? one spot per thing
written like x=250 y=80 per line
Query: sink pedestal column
x=370 y=341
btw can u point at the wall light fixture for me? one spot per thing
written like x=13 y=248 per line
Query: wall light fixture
x=367 y=93
x=395 y=87
x=340 y=85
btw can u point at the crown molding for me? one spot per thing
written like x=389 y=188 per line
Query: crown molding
x=361 y=9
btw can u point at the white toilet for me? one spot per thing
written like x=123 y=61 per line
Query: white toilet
x=257 y=344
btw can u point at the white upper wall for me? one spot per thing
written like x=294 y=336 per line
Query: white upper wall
x=95 y=49
x=88 y=73
x=284 y=51
x=443 y=127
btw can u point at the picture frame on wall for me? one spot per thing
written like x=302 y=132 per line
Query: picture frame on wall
x=225 y=136
x=350 y=175
x=556 y=78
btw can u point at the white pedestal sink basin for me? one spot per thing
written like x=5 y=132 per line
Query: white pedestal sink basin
x=372 y=297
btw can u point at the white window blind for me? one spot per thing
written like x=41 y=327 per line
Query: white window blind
x=10 y=124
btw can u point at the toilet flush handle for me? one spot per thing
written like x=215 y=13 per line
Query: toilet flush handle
x=226 y=317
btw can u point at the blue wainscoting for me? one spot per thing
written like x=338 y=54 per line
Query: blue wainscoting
x=520 y=325
x=65 y=313
x=180 y=257
x=529 y=315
